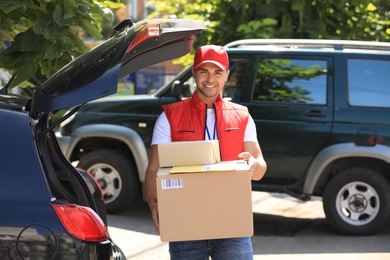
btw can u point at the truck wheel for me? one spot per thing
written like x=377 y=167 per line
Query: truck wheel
x=116 y=176
x=356 y=201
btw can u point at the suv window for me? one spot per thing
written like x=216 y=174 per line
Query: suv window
x=291 y=80
x=368 y=83
x=239 y=69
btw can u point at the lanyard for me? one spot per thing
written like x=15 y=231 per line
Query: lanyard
x=214 y=133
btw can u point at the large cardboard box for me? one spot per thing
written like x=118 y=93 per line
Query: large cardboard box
x=188 y=153
x=207 y=204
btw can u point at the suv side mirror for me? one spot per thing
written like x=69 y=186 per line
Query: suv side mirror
x=175 y=89
x=186 y=90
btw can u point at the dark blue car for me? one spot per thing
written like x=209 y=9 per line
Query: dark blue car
x=48 y=208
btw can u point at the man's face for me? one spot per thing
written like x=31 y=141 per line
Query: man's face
x=210 y=80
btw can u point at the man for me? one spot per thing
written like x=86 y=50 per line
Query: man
x=206 y=116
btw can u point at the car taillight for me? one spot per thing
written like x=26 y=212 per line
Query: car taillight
x=81 y=222
x=149 y=31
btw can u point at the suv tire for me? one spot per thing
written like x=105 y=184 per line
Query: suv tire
x=356 y=201
x=116 y=176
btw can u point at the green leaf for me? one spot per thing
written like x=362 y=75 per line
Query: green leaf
x=58 y=15
x=90 y=28
x=71 y=4
x=27 y=69
x=8 y=6
x=110 y=4
x=8 y=60
x=297 y=5
x=45 y=26
x=52 y=52
x=6 y=36
x=269 y=21
x=69 y=13
x=31 y=42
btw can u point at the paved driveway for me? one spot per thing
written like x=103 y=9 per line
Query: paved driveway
x=285 y=228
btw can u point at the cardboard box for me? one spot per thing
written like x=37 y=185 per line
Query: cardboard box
x=189 y=153
x=208 y=204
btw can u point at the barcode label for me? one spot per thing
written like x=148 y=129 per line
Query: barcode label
x=172 y=183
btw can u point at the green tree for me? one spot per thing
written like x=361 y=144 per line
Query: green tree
x=229 y=20
x=41 y=36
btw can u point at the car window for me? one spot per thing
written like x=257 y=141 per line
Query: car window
x=291 y=80
x=239 y=69
x=368 y=83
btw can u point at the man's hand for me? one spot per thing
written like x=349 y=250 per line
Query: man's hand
x=153 y=206
x=253 y=156
x=150 y=185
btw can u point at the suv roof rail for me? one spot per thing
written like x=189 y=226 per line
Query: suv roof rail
x=310 y=43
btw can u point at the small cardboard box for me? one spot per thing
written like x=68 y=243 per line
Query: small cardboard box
x=188 y=153
x=208 y=204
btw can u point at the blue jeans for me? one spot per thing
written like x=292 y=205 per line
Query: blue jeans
x=218 y=249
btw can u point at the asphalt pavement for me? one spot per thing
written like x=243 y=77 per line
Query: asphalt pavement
x=284 y=228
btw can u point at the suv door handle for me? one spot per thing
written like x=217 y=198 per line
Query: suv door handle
x=315 y=113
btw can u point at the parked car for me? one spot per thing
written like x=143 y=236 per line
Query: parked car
x=49 y=208
x=321 y=109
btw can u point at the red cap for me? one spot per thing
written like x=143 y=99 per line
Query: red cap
x=211 y=54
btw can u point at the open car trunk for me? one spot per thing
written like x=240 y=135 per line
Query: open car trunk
x=95 y=74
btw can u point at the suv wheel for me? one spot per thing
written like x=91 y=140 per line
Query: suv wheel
x=116 y=176
x=356 y=201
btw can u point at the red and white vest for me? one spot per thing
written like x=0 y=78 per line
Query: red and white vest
x=187 y=120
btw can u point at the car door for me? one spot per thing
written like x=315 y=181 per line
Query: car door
x=289 y=98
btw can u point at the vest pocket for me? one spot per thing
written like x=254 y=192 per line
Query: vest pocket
x=185 y=135
x=232 y=129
